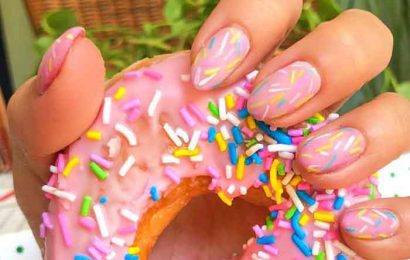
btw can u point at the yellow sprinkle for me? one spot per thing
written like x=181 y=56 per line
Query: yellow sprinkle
x=196 y=59
x=337 y=135
x=240 y=167
x=278 y=193
x=94 y=135
x=324 y=148
x=320 y=117
x=120 y=93
x=183 y=152
x=250 y=121
x=134 y=250
x=224 y=198
x=355 y=150
x=273 y=173
x=235 y=37
x=357 y=141
x=70 y=165
x=306 y=155
x=364 y=236
x=70 y=36
x=233 y=63
x=381 y=235
x=230 y=102
x=300 y=74
x=295 y=181
x=267 y=191
x=302 y=101
x=221 y=142
x=376 y=174
x=277 y=98
x=292 y=77
x=361 y=212
x=325 y=216
x=210 y=72
x=312 y=169
x=304 y=219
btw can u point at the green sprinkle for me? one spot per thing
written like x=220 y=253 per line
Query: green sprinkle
x=306 y=132
x=289 y=214
x=250 y=142
x=281 y=169
x=20 y=249
x=372 y=191
x=313 y=120
x=85 y=206
x=320 y=256
x=213 y=109
x=269 y=223
x=100 y=173
x=392 y=174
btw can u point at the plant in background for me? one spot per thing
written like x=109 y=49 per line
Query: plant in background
x=120 y=46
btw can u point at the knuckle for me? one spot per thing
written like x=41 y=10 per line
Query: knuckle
x=398 y=108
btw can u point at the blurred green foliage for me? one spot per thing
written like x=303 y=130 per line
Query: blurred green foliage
x=120 y=47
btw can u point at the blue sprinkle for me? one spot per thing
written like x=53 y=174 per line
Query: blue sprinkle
x=81 y=257
x=341 y=256
x=211 y=43
x=237 y=135
x=296 y=227
x=211 y=134
x=338 y=203
x=303 y=247
x=233 y=155
x=265 y=240
x=131 y=257
x=274 y=214
x=280 y=136
x=257 y=159
x=263 y=177
x=154 y=193
x=243 y=113
x=248 y=160
x=103 y=199
x=306 y=197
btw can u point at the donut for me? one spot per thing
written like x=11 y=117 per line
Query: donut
x=157 y=142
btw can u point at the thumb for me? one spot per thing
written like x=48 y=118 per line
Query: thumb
x=53 y=109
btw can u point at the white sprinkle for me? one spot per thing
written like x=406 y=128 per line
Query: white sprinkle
x=53 y=169
x=197 y=158
x=127 y=133
x=118 y=241
x=282 y=148
x=183 y=134
x=349 y=143
x=252 y=75
x=172 y=135
x=212 y=120
x=222 y=108
x=228 y=171
x=314 y=207
x=111 y=255
x=241 y=92
x=333 y=116
x=316 y=247
x=231 y=189
x=206 y=80
x=213 y=172
x=286 y=155
x=330 y=253
x=194 y=140
x=367 y=220
x=185 y=77
x=114 y=147
x=321 y=224
x=269 y=139
x=126 y=213
x=253 y=149
x=233 y=119
x=243 y=190
x=319 y=233
x=292 y=194
x=341 y=192
x=59 y=193
x=170 y=173
x=259 y=137
x=342 y=247
x=106 y=114
x=99 y=215
x=223 y=44
x=225 y=132
x=127 y=165
x=263 y=255
x=254 y=256
x=288 y=177
x=154 y=103
x=169 y=159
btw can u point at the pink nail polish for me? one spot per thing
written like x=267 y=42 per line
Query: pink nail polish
x=367 y=223
x=53 y=60
x=284 y=91
x=332 y=150
x=219 y=57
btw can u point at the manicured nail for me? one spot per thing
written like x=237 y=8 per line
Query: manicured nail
x=219 y=57
x=54 y=58
x=332 y=150
x=284 y=91
x=370 y=223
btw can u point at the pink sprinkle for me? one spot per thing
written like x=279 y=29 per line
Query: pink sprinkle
x=101 y=246
x=197 y=112
x=152 y=74
x=318 y=126
x=360 y=191
x=359 y=199
x=326 y=204
x=373 y=180
x=42 y=231
x=283 y=206
x=248 y=86
x=288 y=165
x=133 y=115
x=279 y=217
x=51 y=182
x=132 y=74
x=204 y=135
x=295 y=132
x=64 y=229
x=240 y=102
x=101 y=161
x=257 y=184
x=271 y=249
x=268 y=163
x=127 y=230
x=264 y=153
x=170 y=173
x=305 y=186
x=297 y=140
x=94 y=253
x=247 y=131
x=321 y=197
x=258 y=231
x=134 y=103
x=87 y=222
x=213 y=184
x=330 y=235
x=284 y=224
x=186 y=116
x=46 y=220
x=213 y=172
x=60 y=163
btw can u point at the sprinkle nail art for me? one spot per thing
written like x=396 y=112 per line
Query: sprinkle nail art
x=55 y=56
x=284 y=91
x=370 y=223
x=219 y=57
x=332 y=150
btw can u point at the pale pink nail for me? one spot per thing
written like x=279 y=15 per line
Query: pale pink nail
x=368 y=223
x=284 y=91
x=219 y=57
x=332 y=150
x=54 y=58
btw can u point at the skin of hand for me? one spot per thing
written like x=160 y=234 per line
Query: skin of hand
x=325 y=68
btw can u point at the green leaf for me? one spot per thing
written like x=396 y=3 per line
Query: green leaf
x=404 y=89
x=57 y=22
x=328 y=9
x=173 y=10
x=42 y=44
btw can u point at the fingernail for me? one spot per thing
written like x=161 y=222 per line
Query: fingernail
x=219 y=57
x=284 y=91
x=367 y=223
x=332 y=150
x=54 y=58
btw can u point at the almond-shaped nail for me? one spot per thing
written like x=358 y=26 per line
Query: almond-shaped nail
x=370 y=223
x=219 y=57
x=332 y=150
x=55 y=56
x=284 y=91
